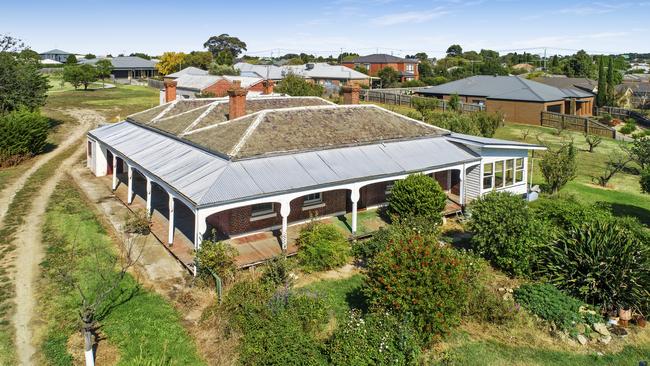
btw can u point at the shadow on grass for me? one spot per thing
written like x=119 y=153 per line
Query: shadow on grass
x=356 y=300
x=621 y=209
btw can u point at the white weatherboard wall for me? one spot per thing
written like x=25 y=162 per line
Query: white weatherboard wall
x=490 y=155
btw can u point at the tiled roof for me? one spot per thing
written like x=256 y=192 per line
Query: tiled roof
x=380 y=58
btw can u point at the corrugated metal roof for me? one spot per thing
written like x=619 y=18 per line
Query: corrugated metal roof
x=381 y=58
x=502 y=87
x=488 y=141
x=208 y=180
x=190 y=70
x=124 y=62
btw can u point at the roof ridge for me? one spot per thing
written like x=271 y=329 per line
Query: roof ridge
x=210 y=108
x=409 y=118
x=182 y=113
x=249 y=131
x=521 y=80
x=222 y=123
x=159 y=116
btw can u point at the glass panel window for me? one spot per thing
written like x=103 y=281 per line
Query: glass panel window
x=488 y=174
x=262 y=209
x=498 y=174
x=509 y=172
x=313 y=199
x=519 y=170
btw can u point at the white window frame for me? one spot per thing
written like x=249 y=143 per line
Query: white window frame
x=521 y=170
x=313 y=199
x=511 y=181
x=491 y=176
x=264 y=212
x=409 y=67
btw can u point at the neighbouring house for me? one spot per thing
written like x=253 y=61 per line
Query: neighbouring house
x=48 y=61
x=330 y=76
x=624 y=94
x=188 y=86
x=408 y=68
x=190 y=70
x=128 y=67
x=246 y=165
x=525 y=67
x=55 y=55
x=518 y=99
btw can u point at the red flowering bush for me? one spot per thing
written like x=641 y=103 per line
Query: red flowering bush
x=419 y=280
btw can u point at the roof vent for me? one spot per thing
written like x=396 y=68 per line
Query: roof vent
x=309 y=66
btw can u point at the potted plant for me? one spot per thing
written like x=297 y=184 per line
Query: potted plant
x=640 y=320
x=624 y=314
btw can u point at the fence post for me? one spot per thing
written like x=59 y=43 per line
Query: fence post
x=587 y=126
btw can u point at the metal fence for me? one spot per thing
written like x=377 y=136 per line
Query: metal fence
x=623 y=113
x=388 y=97
x=576 y=123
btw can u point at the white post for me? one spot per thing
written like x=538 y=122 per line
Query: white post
x=285 y=209
x=129 y=197
x=170 y=235
x=200 y=228
x=148 y=196
x=462 y=185
x=114 y=172
x=88 y=349
x=354 y=197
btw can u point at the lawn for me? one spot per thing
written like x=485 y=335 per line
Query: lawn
x=368 y=221
x=341 y=295
x=140 y=325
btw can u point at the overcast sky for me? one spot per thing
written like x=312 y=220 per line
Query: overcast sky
x=399 y=27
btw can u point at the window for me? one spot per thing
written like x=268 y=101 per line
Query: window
x=409 y=67
x=367 y=66
x=498 y=174
x=313 y=199
x=262 y=209
x=488 y=174
x=510 y=178
x=519 y=170
x=554 y=108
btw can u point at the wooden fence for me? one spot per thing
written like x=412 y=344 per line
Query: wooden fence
x=576 y=123
x=623 y=113
x=153 y=83
x=388 y=97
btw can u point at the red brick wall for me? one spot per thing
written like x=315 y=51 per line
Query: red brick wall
x=220 y=88
x=374 y=68
x=373 y=194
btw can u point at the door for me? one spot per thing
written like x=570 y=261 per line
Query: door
x=109 y=162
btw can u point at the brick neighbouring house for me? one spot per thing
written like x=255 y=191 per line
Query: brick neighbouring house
x=519 y=99
x=189 y=85
x=242 y=164
x=408 y=68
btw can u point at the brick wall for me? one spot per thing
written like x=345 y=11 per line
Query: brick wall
x=220 y=88
x=373 y=194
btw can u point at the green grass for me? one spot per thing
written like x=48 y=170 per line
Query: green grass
x=367 y=221
x=341 y=295
x=13 y=219
x=489 y=352
x=140 y=324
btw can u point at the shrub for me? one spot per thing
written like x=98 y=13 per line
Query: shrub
x=322 y=247
x=417 y=195
x=400 y=229
x=476 y=123
x=218 y=257
x=645 y=180
x=487 y=122
x=628 y=128
x=604 y=262
x=296 y=86
x=423 y=103
x=377 y=339
x=564 y=212
x=485 y=303
x=558 y=166
x=640 y=151
x=552 y=305
x=277 y=271
x=606 y=118
x=138 y=222
x=24 y=134
x=506 y=232
x=421 y=281
x=454 y=102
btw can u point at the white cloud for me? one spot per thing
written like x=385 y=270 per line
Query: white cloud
x=409 y=17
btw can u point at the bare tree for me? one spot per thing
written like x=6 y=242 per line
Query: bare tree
x=98 y=300
x=615 y=164
x=10 y=44
x=593 y=141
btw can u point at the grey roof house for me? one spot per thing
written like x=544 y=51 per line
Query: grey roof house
x=242 y=165
x=55 y=55
x=319 y=72
x=128 y=67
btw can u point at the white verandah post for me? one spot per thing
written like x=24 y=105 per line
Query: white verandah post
x=170 y=233
x=462 y=186
x=114 y=172
x=285 y=209
x=148 y=196
x=129 y=196
x=354 y=197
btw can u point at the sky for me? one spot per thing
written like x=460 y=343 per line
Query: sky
x=270 y=28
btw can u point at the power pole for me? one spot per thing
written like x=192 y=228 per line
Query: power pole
x=545 y=59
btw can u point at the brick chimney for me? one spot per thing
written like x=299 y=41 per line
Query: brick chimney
x=237 y=102
x=351 y=94
x=268 y=86
x=170 y=90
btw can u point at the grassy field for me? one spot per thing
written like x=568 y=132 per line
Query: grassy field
x=140 y=325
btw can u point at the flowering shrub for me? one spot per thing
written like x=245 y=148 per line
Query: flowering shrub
x=420 y=280
x=377 y=339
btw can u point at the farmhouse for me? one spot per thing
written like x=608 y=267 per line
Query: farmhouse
x=242 y=165
x=408 y=68
x=519 y=99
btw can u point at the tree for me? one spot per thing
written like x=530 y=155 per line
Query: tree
x=417 y=196
x=389 y=77
x=362 y=69
x=89 y=56
x=79 y=75
x=170 y=62
x=224 y=57
x=71 y=60
x=10 y=44
x=614 y=165
x=21 y=83
x=200 y=59
x=593 y=141
x=558 y=166
x=24 y=134
x=425 y=69
x=601 y=97
x=139 y=54
x=640 y=152
x=611 y=86
x=294 y=85
x=216 y=69
x=580 y=65
x=454 y=50
x=645 y=180
x=506 y=232
x=454 y=102
x=104 y=68
x=217 y=257
x=295 y=61
x=422 y=56
x=225 y=42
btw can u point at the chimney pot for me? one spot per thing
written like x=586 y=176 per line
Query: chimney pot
x=170 y=90
x=237 y=100
x=351 y=94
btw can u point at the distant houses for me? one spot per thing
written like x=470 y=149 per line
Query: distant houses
x=128 y=67
x=330 y=76
x=407 y=68
x=55 y=55
x=519 y=99
x=188 y=85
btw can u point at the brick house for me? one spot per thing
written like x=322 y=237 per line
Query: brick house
x=245 y=164
x=408 y=68
x=519 y=99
